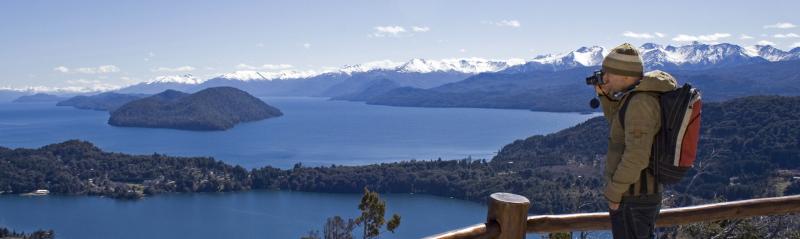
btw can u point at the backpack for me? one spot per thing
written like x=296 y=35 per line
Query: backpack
x=675 y=145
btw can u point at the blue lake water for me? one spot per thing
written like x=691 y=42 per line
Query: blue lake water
x=313 y=131
x=256 y=214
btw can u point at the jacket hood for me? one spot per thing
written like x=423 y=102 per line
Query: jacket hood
x=657 y=81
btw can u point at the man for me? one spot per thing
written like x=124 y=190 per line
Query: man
x=634 y=197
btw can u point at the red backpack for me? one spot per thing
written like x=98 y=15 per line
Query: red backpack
x=675 y=145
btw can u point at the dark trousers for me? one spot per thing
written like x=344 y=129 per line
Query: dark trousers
x=635 y=217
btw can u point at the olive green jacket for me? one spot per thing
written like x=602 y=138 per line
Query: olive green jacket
x=629 y=148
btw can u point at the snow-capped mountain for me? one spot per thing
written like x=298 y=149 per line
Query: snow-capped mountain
x=584 y=56
x=180 y=79
x=424 y=73
x=467 y=65
x=696 y=55
x=472 y=65
x=369 y=66
x=773 y=54
x=262 y=75
x=692 y=56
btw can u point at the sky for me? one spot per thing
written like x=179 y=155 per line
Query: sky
x=107 y=44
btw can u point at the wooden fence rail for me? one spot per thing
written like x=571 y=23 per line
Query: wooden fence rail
x=504 y=220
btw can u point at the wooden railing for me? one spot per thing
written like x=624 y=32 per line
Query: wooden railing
x=507 y=217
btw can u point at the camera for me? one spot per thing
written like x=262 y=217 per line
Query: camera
x=596 y=78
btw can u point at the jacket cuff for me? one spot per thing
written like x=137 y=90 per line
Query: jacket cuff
x=613 y=191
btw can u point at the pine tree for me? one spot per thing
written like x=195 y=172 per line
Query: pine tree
x=373 y=210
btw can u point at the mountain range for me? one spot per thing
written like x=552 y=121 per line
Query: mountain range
x=544 y=82
x=426 y=74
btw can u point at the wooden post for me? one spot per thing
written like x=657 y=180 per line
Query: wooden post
x=510 y=211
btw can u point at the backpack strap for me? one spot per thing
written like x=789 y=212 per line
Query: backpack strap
x=624 y=108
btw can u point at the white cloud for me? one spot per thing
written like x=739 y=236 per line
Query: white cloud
x=508 y=23
x=176 y=69
x=703 y=38
x=259 y=44
x=420 y=29
x=637 y=35
x=306 y=45
x=151 y=54
x=388 y=31
x=796 y=44
x=62 y=69
x=765 y=43
x=263 y=67
x=781 y=25
x=397 y=31
x=790 y=35
x=98 y=70
x=462 y=50
x=745 y=37
x=660 y=35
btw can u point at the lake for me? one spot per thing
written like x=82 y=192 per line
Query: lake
x=313 y=131
x=255 y=214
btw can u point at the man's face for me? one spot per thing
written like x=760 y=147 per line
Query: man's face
x=616 y=83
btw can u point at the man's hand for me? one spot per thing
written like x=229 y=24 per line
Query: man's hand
x=613 y=206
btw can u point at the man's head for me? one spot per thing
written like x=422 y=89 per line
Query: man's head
x=622 y=68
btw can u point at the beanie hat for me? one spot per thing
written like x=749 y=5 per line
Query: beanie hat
x=624 y=60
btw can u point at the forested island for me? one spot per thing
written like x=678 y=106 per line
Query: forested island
x=216 y=108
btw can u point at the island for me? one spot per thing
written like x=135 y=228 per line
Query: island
x=216 y=108
x=38 y=98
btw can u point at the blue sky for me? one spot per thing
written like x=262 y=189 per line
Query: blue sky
x=114 y=43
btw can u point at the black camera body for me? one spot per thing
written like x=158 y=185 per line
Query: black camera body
x=596 y=78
